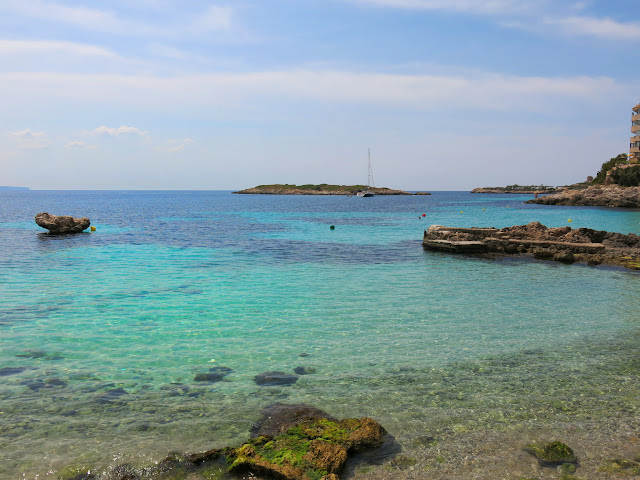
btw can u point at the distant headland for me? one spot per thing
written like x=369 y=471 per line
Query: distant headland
x=519 y=189
x=321 y=189
x=4 y=187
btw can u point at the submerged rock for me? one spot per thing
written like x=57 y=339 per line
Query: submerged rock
x=304 y=370
x=215 y=374
x=62 y=224
x=278 y=417
x=111 y=395
x=6 y=371
x=270 y=379
x=551 y=454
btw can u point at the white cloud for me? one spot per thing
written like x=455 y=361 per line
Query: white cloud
x=221 y=95
x=30 y=140
x=114 y=132
x=598 y=27
x=499 y=7
x=22 y=47
x=80 y=145
x=82 y=17
x=177 y=145
x=214 y=18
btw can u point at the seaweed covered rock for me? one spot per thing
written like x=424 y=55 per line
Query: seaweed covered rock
x=61 y=224
x=312 y=449
x=552 y=453
x=289 y=442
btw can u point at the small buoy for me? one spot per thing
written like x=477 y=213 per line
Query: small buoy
x=460 y=211
x=483 y=209
x=332 y=227
x=424 y=214
x=569 y=220
x=93 y=229
x=507 y=206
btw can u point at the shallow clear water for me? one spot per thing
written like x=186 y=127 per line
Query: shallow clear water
x=107 y=330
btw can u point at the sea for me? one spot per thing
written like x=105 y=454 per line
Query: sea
x=105 y=335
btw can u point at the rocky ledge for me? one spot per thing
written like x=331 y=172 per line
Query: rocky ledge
x=597 y=196
x=562 y=244
x=289 y=442
x=61 y=224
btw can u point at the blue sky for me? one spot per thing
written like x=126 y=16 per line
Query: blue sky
x=448 y=94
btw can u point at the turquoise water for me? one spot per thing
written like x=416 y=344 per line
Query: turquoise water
x=106 y=331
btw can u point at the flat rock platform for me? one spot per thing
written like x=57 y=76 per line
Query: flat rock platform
x=562 y=244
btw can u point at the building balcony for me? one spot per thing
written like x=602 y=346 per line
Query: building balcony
x=634 y=150
x=635 y=129
x=635 y=117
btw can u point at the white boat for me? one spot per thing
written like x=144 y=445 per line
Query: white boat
x=367 y=192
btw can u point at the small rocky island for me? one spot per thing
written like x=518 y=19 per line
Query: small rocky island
x=321 y=189
x=517 y=189
x=562 y=244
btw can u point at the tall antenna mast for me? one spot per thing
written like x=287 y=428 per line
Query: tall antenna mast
x=369 y=169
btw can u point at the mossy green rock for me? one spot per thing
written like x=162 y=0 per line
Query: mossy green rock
x=551 y=454
x=311 y=450
x=303 y=443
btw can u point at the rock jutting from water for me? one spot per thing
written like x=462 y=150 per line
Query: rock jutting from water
x=62 y=224
x=291 y=442
x=562 y=244
x=597 y=196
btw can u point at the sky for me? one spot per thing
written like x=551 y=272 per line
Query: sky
x=217 y=95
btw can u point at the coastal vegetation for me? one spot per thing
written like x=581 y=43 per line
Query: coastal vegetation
x=607 y=166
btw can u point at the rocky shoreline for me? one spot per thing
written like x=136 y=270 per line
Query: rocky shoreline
x=595 y=196
x=562 y=244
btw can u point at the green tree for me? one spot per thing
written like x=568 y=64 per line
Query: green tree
x=606 y=166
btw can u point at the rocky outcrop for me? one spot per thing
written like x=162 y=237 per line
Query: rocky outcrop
x=61 y=224
x=290 y=442
x=562 y=244
x=596 y=196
